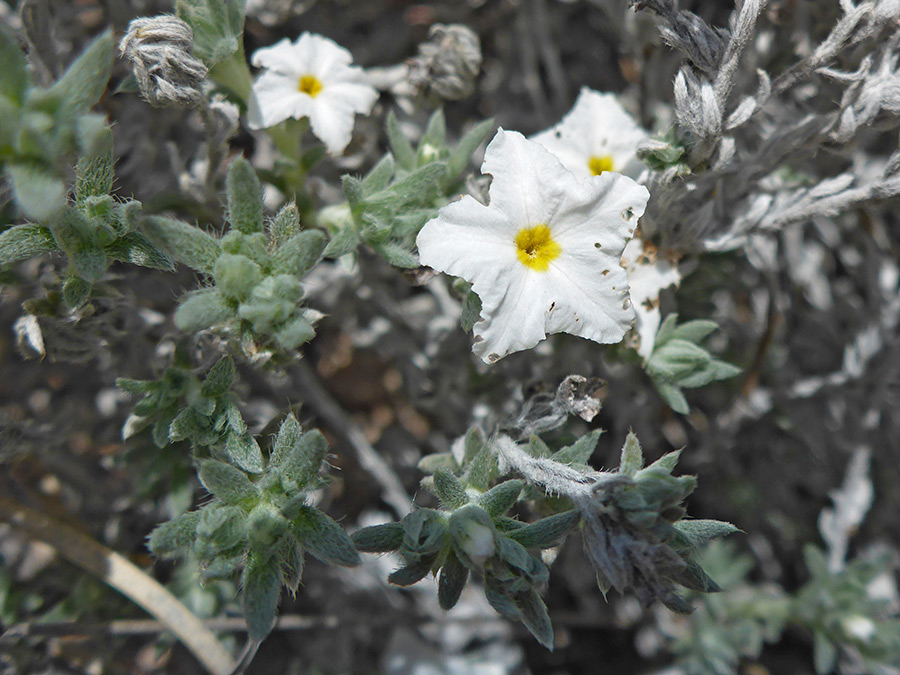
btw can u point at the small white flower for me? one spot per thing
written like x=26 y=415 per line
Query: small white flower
x=544 y=255
x=312 y=78
x=648 y=274
x=597 y=135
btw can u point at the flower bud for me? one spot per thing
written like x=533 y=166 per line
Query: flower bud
x=448 y=63
x=160 y=50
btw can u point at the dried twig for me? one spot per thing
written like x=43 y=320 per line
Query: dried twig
x=126 y=578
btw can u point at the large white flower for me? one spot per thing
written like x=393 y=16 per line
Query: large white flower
x=544 y=255
x=648 y=274
x=312 y=78
x=597 y=135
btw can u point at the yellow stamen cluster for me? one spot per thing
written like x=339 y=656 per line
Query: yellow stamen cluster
x=310 y=84
x=598 y=164
x=535 y=248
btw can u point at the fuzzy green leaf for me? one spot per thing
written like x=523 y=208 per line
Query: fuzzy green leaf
x=89 y=263
x=261 y=582
x=217 y=26
x=580 y=451
x=694 y=578
x=353 y=191
x=666 y=463
x=300 y=468
x=14 y=78
x=40 y=195
x=243 y=451
x=397 y=255
x=676 y=359
x=461 y=155
x=701 y=532
x=449 y=490
x=24 y=241
x=226 y=482
x=473 y=444
x=219 y=379
x=533 y=613
x=94 y=173
x=201 y=310
x=471 y=311
x=632 y=458
x=344 y=241
x=299 y=254
x=666 y=330
x=437 y=461
x=451 y=581
x=694 y=331
x=185 y=243
x=378 y=538
x=245 y=205
x=285 y=224
x=175 y=536
x=548 y=531
x=379 y=176
x=673 y=397
x=76 y=291
x=434 y=138
x=84 y=82
x=324 y=538
x=136 y=249
x=236 y=275
x=288 y=436
x=501 y=498
x=411 y=573
x=400 y=147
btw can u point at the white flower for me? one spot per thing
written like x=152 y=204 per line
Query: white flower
x=648 y=274
x=312 y=78
x=544 y=255
x=597 y=135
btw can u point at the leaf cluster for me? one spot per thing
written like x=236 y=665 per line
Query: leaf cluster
x=204 y=412
x=217 y=27
x=636 y=534
x=734 y=624
x=679 y=362
x=839 y=610
x=260 y=523
x=389 y=206
x=254 y=268
x=44 y=127
x=470 y=533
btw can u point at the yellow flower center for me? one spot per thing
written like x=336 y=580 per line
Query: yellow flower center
x=535 y=247
x=310 y=84
x=598 y=165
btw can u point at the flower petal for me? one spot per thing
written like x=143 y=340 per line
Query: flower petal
x=354 y=94
x=470 y=240
x=586 y=302
x=529 y=183
x=597 y=126
x=332 y=123
x=275 y=98
x=326 y=56
x=513 y=314
x=282 y=57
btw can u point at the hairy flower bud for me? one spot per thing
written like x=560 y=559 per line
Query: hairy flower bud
x=448 y=63
x=161 y=53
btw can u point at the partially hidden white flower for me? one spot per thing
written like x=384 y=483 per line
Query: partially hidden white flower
x=597 y=135
x=311 y=78
x=544 y=255
x=648 y=274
